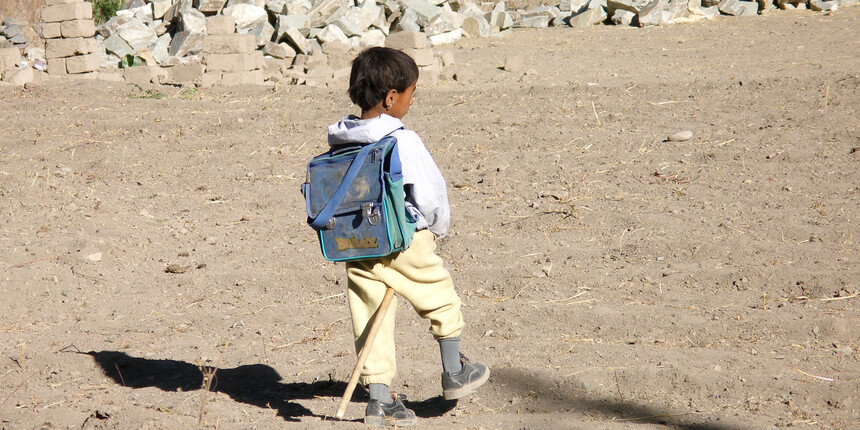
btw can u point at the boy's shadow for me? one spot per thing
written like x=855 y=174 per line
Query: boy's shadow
x=254 y=384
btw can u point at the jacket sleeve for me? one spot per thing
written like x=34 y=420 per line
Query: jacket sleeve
x=429 y=192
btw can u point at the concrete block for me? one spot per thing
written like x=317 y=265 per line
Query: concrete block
x=253 y=77
x=229 y=44
x=140 y=75
x=111 y=75
x=82 y=63
x=185 y=43
x=430 y=74
x=184 y=74
x=220 y=24
x=9 y=57
x=210 y=79
x=78 y=28
x=19 y=77
x=57 y=66
x=60 y=48
x=67 y=11
x=211 y=6
x=56 y=2
x=234 y=62
x=49 y=30
x=422 y=56
x=406 y=39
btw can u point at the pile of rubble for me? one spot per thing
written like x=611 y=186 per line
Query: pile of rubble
x=12 y=34
x=230 y=42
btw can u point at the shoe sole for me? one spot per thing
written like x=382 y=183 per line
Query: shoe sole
x=375 y=421
x=457 y=393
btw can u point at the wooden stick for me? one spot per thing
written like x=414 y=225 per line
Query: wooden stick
x=365 y=351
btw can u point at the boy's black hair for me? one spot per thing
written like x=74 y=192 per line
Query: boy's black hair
x=378 y=70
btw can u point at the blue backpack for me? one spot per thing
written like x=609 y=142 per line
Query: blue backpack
x=355 y=201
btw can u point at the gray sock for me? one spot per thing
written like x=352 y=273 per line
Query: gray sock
x=450 y=349
x=379 y=392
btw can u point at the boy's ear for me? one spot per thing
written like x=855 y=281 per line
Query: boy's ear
x=389 y=98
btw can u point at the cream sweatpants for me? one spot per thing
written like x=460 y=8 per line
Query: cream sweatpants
x=418 y=276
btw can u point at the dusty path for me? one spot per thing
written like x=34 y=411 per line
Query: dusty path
x=611 y=279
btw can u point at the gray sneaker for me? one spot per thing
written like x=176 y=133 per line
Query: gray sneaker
x=460 y=384
x=378 y=414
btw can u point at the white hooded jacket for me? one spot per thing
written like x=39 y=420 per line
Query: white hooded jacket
x=426 y=191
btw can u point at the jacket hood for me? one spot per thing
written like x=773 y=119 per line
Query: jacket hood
x=356 y=130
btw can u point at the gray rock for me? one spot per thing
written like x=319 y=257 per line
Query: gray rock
x=476 y=26
x=423 y=10
x=446 y=38
x=324 y=9
x=823 y=6
x=299 y=7
x=589 y=17
x=276 y=50
x=297 y=41
x=738 y=8
x=371 y=38
x=632 y=5
x=12 y=31
x=211 y=6
x=118 y=46
x=277 y=7
x=18 y=39
x=409 y=21
x=192 y=21
x=159 y=7
x=501 y=19
x=285 y=22
x=185 y=43
x=263 y=32
x=247 y=16
x=656 y=13
x=446 y=20
x=332 y=33
x=538 y=21
x=623 y=17
x=161 y=47
x=137 y=35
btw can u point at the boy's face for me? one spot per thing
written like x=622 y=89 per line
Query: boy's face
x=400 y=102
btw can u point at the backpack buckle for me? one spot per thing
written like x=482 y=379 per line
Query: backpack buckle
x=371 y=213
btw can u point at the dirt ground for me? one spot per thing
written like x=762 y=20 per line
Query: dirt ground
x=611 y=279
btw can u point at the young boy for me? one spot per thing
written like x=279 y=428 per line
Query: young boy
x=381 y=84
